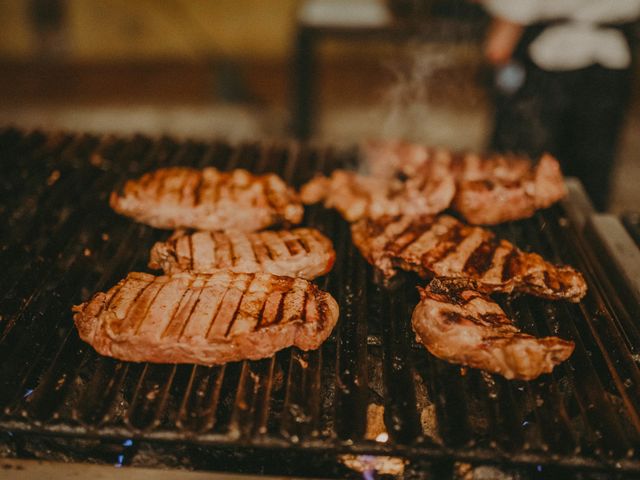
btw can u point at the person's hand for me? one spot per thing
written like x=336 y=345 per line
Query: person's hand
x=501 y=41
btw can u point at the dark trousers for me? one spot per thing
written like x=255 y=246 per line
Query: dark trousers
x=574 y=115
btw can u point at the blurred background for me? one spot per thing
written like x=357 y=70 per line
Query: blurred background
x=335 y=71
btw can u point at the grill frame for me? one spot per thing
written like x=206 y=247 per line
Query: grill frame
x=55 y=253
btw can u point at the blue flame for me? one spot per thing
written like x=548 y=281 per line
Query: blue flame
x=368 y=475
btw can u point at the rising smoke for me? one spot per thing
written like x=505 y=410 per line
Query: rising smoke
x=434 y=95
x=406 y=102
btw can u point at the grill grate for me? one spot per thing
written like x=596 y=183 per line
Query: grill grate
x=61 y=243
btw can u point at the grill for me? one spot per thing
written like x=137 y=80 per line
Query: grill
x=61 y=242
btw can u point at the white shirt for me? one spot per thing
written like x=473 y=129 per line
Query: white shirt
x=579 y=41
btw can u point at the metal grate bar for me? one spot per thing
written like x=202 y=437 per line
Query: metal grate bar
x=293 y=161
x=56 y=379
x=36 y=214
x=97 y=400
x=601 y=429
x=261 y=416
x=549 y=323
x=605 y=330
x=150 y=396
x=505 y=419
x=200 y=401
x=549 y=423
x=263 y=160
x=23 y=359
x=552 y=418
x=252 y=399
x=400 y=401
x=616 y=261
x=188 y=154
x=209 y=153
x=447 y=390
x=15 y=150
x=351 y=362
x=549 y=416
x=17 y=162
x=590 y=393
x=301 y=407
x=46 y=275
x=604 y=325
x=300 y=415
x=186 y=409
x=236 y=156
x=51 y=208
x=47 y=397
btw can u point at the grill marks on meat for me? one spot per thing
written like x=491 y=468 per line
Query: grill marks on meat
x=205 y=319
x=488 y=189
x=492 y=199
x=181 y=197
x=357 y=196
x=387 y=158
x=465 y=327
x=301 y=252
x=442 y=246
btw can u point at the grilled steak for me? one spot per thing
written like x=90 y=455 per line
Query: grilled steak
x=357 y=196
x=208 y=199
x=387 y=158
x=302 y=252
x=442 y=246
x=491 y=201
x=489 y=189
x=205 y=319
x=466 y=327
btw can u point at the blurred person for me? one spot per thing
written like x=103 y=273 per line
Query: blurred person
x=563 y=81
x=49 y=22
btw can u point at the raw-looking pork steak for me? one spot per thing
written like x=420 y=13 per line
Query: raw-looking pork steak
x=207 y=199
x=205 y=319
x=301 y=252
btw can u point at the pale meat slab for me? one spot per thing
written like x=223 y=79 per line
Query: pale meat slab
x=205 y=319
x=301 y=252
x=207 y=199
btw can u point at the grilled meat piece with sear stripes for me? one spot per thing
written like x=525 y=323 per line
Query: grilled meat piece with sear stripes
x=181 y=197
x=301 y=252
x=490 y=189
x=442 y=246
x=492 y=200
x=468 y=328
x=205 y=319
x=357 y=196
